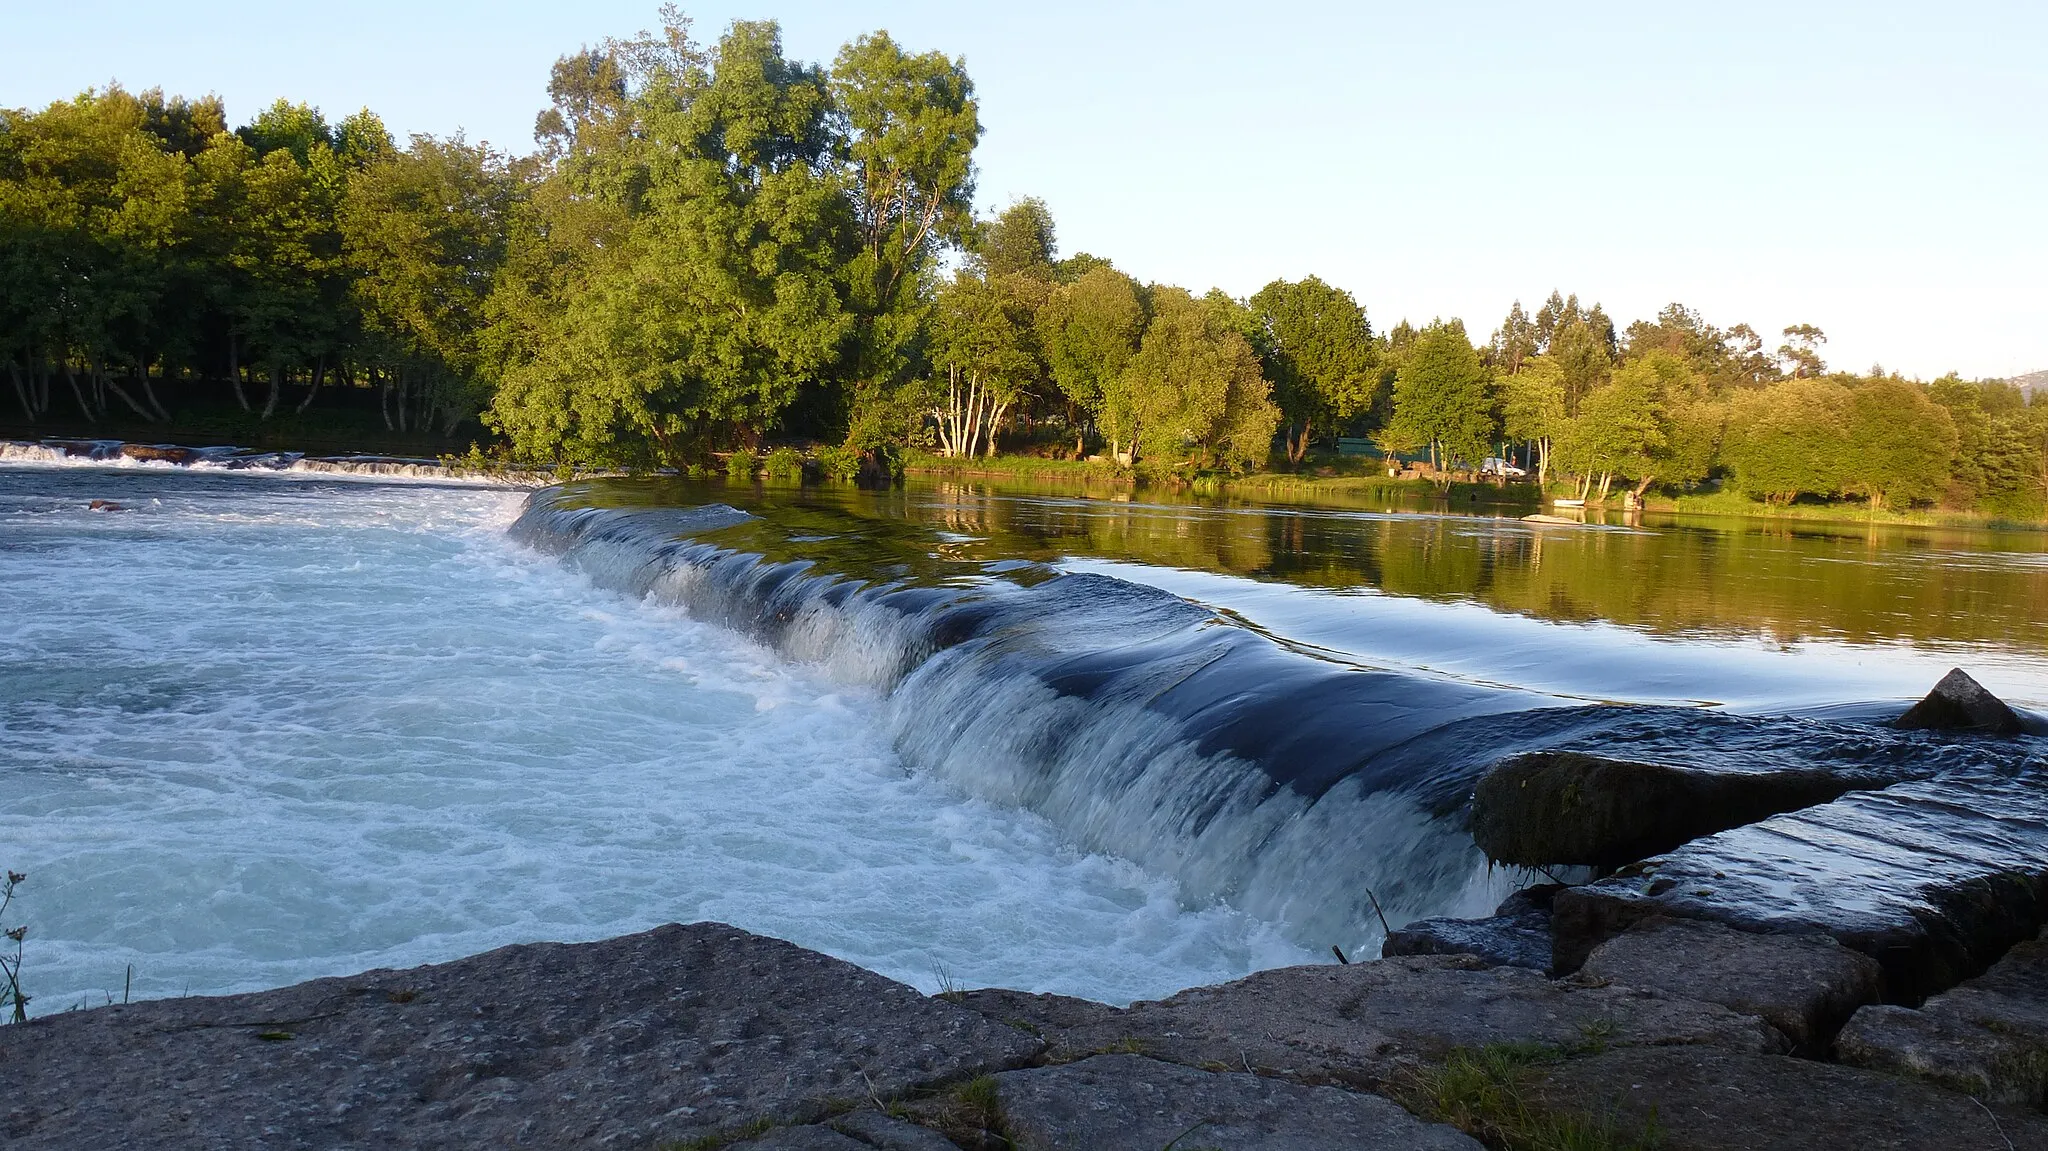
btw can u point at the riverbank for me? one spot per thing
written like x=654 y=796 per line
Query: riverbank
x=707 y=1036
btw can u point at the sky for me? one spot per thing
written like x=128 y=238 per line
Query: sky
x=1877 y=169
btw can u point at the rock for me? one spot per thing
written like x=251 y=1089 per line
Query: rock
x=804 y=1139
x=1987 y=1037
x=1129 y=1103
x=875 y=1129
x=1806 y=986
x=1516 y=935
x=105 y=506
x=670 y=1034
x=1934 y=880
x=1565 y=807
x=1711 y=1099
x=160 y=453
x=1045 y=1016
x=1959 y=703
x=1363 y=1024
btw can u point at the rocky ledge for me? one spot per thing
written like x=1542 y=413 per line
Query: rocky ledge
x=1675 y=1035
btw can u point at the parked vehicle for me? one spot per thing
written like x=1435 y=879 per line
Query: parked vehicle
x=1494 y=466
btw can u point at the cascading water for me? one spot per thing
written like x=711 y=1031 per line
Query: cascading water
x=1142 y=725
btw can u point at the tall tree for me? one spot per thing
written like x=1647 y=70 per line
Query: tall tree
x=1194 y=391
x=1902 y=443
x=1320 y=354
x=1440 y=397
x=1089 y=330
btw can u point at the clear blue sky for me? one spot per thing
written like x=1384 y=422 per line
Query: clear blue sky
x=1878 y=169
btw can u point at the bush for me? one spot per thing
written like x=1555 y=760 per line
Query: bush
x=739 y=466
x=839 y=463
x=784 y=463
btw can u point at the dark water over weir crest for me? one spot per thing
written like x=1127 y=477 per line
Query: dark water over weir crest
x=1251 y=771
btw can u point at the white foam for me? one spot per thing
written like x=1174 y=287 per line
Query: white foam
x=254 y=731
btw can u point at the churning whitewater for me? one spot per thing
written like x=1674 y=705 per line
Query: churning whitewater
x=259 y=729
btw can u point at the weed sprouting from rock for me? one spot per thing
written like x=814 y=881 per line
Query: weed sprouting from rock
x=11 y=998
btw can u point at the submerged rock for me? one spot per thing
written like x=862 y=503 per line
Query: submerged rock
x=1516 y=935
x=1713 y=1099
x=1804 y=985
x=674 y=1033
x=1959 y=703
x=1987 y=1037
x=1128 y=1103
x=1934 y=880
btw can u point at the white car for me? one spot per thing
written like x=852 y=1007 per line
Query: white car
x=1492 y=466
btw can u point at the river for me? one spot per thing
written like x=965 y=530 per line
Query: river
x=257 y=728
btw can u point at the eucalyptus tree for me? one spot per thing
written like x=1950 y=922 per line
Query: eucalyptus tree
x=1320 y=355
x=908 y=125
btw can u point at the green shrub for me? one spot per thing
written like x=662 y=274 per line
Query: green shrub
x=784 y=463
x=839 y=463
x=739 y=466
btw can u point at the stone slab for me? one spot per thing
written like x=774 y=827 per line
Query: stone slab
x=802 y=1139
x=1364 y=1024
x=674 y=1033
x=1934 y=880
x=1712 y=1099
x=877 y=1130
x=1806 y=986
x=1987 y=1036
x=1517 y=934
x=1130 y=1103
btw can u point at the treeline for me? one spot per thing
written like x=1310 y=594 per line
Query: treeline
x=715 y=245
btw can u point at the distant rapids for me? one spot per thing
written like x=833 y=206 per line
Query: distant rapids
x=1313 y=793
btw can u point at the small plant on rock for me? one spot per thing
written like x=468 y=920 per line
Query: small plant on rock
x=11 y=998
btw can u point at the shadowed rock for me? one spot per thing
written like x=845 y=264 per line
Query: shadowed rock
x=1565 y=807
x=1516 y=935
x=1709 y=1099
x=1934 y=880
x=1128 y=1103
x=1959 y=703
x=1987 y=1037
x=674 y=1033
x=1804 y=985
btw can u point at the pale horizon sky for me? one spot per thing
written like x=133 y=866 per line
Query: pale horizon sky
x=1876 y=169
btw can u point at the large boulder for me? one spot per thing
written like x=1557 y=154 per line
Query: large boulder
x=1934 y=880
x=1367 y=1024
x=1713 y=1099
x=671 y=1034
x=1804 y=985
x=1959 y=703
x=1988 y=1036
x=1546 y=808
x=1129 y=1103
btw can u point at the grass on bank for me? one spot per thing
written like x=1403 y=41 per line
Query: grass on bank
x=1492 y=1094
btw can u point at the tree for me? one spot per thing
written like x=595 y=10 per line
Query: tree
x=1021 y=241
x=1800 y=353
x=1089 y=330
x=1901 y=443
x=1515 y=342
x=982 y=335
x=1440 y=397
x=1320 y=354
x=1194 y=385
x=723 y=301
x=1583 y=360
x=1532 y=409
x=425 y=233
x=909 y=124
x=1788 y=439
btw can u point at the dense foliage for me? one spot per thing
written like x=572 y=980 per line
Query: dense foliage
x=715 y=245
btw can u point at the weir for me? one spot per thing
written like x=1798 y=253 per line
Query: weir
x=1310 y=790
